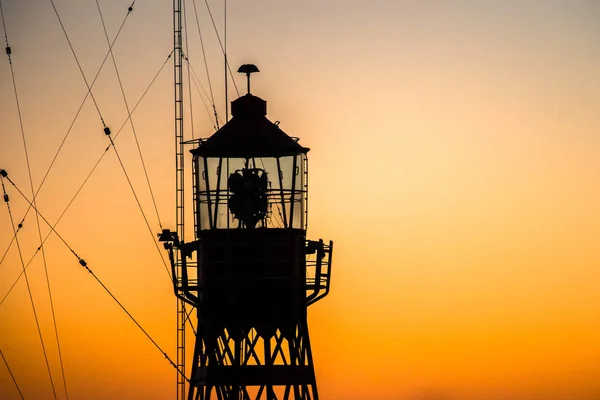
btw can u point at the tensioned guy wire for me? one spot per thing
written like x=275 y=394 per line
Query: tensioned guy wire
x=11 y=375
x=212 y=97
x=22 y=129
x=37 y=322
x=186 y=41
x=112 y=143
x=112 y=55
x=71 y=127
x=84 y=264
x=198 y=85
x=88 y=177
x=221 y=44
x=78 y=63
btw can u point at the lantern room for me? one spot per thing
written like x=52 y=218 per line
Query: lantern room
x=250 y=174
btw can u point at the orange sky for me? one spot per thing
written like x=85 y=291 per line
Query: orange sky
x=454 y=162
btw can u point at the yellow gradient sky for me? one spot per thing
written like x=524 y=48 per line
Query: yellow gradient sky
x=455 y=163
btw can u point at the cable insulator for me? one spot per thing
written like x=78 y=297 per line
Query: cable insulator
x=83 y=263
x=107 y=131
x=130 y=9
x=3 y=173
x=6 y=198
x=20 y=226
x=8 y=51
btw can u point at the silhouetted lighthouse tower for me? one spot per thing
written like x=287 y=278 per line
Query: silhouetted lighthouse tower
x=255 y=272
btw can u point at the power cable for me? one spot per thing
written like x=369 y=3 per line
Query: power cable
x=12 y=376
x=37 y=322
x=83 y=263
x=86 y=179
x=112 y=55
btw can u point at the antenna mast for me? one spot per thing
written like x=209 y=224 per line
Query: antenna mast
x=179 y=190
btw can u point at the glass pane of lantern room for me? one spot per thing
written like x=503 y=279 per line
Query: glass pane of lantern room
x=201 y=206
x=222 y=215
x=274 y=215
x=212 y=191
x=299 y=193
x=283 y=176
x=291 y=195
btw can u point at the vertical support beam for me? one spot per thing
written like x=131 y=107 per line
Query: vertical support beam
x=293 y=190
x=305 y=188
x=179 y=188
x=206 y=178
x=218 y=192
x=268 y=363
x=179 y=156
x=283 y=210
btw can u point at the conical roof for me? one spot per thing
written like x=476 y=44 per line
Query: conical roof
x=249 y=134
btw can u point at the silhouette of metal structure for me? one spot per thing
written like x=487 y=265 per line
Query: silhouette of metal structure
x=250 y=274
x=182 y=315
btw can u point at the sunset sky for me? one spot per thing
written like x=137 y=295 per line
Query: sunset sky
x=455 y=163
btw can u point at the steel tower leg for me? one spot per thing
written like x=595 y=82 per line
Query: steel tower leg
x=246 y=365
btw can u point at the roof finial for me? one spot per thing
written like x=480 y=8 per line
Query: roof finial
x=248 y=69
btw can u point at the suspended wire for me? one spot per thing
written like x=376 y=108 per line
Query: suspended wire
x=34 y=193
x=198 y=85
x=88 y=93
x=4 y=28
x=212 y=97
x=22 y=129
x=37 y=322
x=32 y=204
x=87 y=178
x=137 y=143
x=38 y=213
x=15 y=282
x=72 y=124
x=195 y=76
x=188 y=71
x=210 y=117
x=221 y=44
x=10 y=244
x=112 y=143
x=83 y=263
x=10 y=372
x=78 y=64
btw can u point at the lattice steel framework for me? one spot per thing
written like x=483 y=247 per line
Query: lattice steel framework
x=179 y=189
